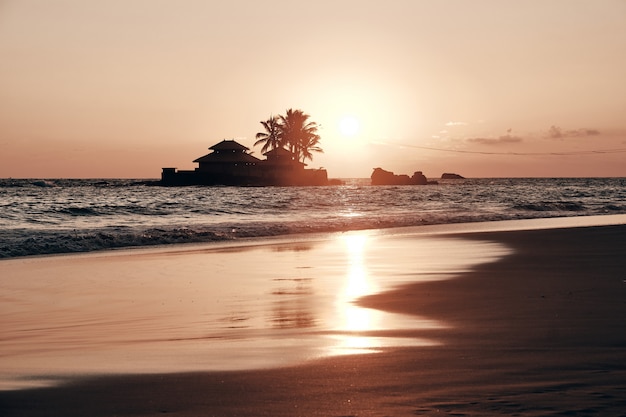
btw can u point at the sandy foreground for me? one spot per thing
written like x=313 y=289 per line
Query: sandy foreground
x=539 y=331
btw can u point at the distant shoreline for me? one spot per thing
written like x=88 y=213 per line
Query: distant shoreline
x=140 y=179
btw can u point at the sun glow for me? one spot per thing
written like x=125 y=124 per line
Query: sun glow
x=349 y=126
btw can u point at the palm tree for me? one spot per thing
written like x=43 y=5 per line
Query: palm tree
x=310 y=145
x=299 y=134
x=272 y=137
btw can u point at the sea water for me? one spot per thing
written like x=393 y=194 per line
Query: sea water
x=217 y=307
x=241 y=305
x=62 y=216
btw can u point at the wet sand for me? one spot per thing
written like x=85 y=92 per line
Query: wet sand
x=541 y=331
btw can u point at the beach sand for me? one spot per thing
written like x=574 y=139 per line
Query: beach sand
x=539 y=331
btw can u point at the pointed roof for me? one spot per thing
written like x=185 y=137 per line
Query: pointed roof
x=280 y=152
x=282 y=156
x=228 y=157
x=228 y=151
x=229 y=145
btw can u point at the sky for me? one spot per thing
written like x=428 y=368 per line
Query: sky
x=482 y=88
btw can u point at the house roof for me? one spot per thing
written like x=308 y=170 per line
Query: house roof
x=227 y=157
x=282 y=157
x=229 y=145
x=280 y=152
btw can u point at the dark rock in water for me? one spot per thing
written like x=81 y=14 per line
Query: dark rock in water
x=382 y=177
x=419 y=178
x=451 y=176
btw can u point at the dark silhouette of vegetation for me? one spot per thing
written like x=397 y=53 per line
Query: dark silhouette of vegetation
x=271 y=138
x=293 y=131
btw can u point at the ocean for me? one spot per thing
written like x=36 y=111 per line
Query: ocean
x=242 y=305
x=77 y=215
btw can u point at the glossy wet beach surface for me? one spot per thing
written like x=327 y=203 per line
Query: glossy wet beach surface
x=215 y=308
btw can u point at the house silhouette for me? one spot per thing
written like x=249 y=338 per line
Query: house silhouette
x=231 y=163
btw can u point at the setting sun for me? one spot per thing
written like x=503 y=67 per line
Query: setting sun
x=349 y=126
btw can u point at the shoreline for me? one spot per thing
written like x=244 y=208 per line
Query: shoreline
x=426 y=229
x=540 y=331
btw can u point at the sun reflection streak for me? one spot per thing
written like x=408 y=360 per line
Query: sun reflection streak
x=357 y=285
x=355 y=319
x=356 y=330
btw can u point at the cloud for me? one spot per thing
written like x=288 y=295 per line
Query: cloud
x=451 y=123
x=501 y=140
x=556 y=132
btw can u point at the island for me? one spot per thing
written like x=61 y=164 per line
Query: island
x=288 y=141
x=230 y=163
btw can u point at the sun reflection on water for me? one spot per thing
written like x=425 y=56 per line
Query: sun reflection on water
x=355 y=324
x=357 y=285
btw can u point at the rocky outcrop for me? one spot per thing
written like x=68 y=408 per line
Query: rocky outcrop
x=382 y=177
x=419 y=178
x=451 y=176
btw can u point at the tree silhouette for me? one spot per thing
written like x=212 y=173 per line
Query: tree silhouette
x=310 y=144
x=292 y=131
x=299 y=134
x=272 y=137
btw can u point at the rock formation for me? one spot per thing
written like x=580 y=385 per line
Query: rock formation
x=451 y=176
x=382 y=177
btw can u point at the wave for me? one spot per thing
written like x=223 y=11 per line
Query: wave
x=79 y=211
x=87 y=215
x=551 y=206
x=46 y=242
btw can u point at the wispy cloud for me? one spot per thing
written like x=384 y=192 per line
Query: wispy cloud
x=556 y=132
x=451 y=123
x=495 y=141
